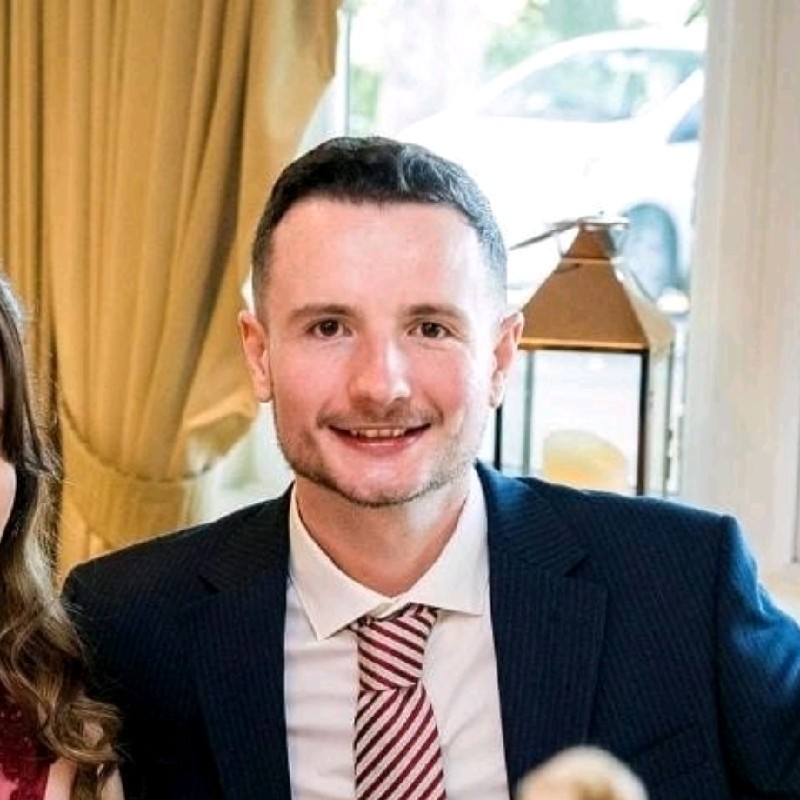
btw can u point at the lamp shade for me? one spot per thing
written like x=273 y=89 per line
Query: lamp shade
x=584 y=303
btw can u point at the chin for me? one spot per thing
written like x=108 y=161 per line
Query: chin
x=382 y=485
x=379 y=497
x=582 y=773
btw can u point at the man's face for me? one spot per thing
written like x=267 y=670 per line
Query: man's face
x=382 y=347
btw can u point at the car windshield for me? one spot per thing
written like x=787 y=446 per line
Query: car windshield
x=599 y=86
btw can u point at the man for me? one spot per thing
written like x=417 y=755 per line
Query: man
x=257 y=656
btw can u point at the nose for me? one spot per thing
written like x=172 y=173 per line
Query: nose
x=380 y=373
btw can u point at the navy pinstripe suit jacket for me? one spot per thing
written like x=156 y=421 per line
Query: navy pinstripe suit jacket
x=633 y=624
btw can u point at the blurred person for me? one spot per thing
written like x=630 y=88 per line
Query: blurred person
x=405 y=622
x=582 y=773
x=55 y=743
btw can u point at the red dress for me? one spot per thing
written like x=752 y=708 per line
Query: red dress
x=24 y=763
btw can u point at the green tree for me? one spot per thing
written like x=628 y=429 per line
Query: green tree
x=516 y=41
x=568 y=18
x=697 y=11
x=541 y=22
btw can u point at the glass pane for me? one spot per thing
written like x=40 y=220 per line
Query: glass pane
x=604 y=86
x=573 y=417
x=659 y=478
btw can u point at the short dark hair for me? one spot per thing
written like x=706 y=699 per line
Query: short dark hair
x=375 y=169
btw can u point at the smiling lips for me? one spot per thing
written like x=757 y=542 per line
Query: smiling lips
x=380 y=434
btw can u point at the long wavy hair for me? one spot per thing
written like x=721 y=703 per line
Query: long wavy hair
x=42 y=664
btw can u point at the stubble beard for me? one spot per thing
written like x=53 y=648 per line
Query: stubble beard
x=306 y=462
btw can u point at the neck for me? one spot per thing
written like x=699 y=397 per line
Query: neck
x=388 y=549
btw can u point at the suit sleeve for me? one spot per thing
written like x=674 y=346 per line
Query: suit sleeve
x=758 y=663
x=85 y=615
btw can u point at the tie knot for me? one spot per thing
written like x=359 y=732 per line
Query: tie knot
x=391 y=649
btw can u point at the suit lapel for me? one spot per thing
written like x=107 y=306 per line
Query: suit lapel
x=548 y=626
x=235 y=637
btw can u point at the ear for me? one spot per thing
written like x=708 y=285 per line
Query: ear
x=256 y=353
x=505 y=351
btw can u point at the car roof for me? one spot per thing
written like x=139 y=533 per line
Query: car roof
x=689 y=38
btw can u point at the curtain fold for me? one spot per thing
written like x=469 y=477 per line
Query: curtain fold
x=22 y=241
x=163 y=124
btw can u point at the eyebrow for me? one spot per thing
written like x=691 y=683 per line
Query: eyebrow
x=311 y=310
x=320 y=310
x=436 y=310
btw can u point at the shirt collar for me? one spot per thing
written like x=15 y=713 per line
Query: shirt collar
x=456 y=581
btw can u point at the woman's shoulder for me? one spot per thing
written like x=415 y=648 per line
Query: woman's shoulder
x=28 y=771
x=24 y=763
x=62 y=776
x=60 y=780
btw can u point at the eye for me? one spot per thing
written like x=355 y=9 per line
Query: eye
x=328 y=328
x=432 y=330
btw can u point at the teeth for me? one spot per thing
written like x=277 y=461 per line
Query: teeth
x=379 y=433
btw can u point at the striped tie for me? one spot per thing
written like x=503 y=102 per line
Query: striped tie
x=396 y=746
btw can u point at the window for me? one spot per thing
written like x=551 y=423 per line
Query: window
x=688 y=129
x=551 y=124
x=608 y=85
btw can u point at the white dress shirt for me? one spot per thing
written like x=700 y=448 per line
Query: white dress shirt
x=459 y=673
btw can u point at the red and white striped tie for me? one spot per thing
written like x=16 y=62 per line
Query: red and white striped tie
x=396 y=745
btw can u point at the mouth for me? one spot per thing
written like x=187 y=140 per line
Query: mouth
x=381 y=434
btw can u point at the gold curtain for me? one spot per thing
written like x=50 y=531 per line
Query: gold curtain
x=21 y=181
x=149 y=132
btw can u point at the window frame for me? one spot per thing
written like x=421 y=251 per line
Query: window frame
x=742 y=436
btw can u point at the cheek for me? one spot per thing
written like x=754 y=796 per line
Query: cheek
x=293 y=378
x=8 y=490
x=300 y=388
x=457 y=382
x=306 y=373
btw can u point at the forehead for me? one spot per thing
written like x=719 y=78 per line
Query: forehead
x=318 y=235
x=331 y=217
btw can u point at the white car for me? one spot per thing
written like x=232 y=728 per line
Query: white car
x=601 y=123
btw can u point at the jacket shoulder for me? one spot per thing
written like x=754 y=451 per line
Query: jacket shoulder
x=613 y=527
x=167 y=562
